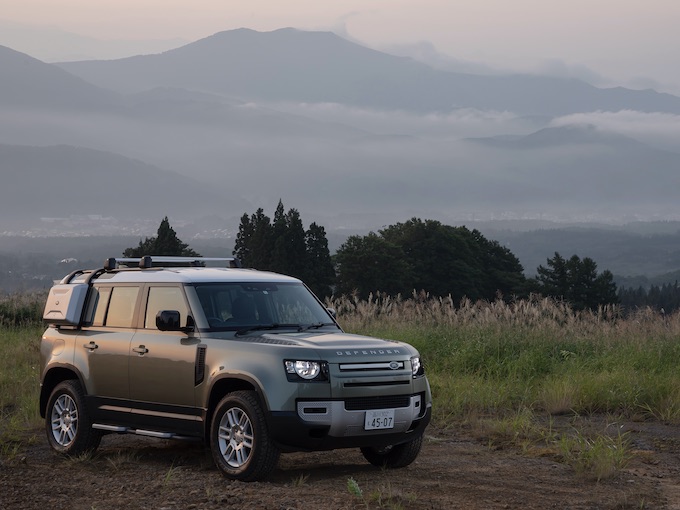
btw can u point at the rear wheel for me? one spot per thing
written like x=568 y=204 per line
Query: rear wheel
x=69 y=429
x=394 y=456
x=239 y=439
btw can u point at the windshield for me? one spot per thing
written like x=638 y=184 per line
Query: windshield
x=244 y=305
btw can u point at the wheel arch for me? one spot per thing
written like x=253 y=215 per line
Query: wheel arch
x=228 y=384
x=52 y=378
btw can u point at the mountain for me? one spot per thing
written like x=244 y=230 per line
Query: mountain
x=289 y=65
x=63 y=181
x=51 y=44
x=581 y=165
x=619 y=249
x=210 y=111
x=29 y=83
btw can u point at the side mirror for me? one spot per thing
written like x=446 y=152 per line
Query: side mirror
x=332 y=312
x=168 y=320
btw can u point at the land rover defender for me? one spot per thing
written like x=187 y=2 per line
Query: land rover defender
x=250 y=362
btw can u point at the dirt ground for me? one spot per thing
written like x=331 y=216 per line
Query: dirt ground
x=454 y=470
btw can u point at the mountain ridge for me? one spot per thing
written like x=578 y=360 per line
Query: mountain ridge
x=29 y=82
x=295 y=65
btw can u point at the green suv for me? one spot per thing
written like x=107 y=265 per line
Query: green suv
x=250 y=362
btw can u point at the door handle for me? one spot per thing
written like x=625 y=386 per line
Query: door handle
x=91 y=346
x=141 y=350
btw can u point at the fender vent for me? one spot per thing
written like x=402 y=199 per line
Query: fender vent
x=199 y=372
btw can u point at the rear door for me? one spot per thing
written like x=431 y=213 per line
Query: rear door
x=103 y=347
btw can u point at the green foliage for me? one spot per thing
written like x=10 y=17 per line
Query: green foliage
x=253 y=244
x=599 y=457
x=353 y=488
x=366 y=264
x=576 y=280
x=285 y=247
x=419 y=254
x=320 y=272
x=165 y=243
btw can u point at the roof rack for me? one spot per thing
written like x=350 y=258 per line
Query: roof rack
x=148 y=262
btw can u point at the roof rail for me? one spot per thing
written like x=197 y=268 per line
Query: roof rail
x=149 y=261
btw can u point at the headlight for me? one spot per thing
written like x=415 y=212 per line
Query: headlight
x=416 y=366
x=307 y=370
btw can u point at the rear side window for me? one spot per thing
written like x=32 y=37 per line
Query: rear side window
x=112 y=306
x=99 y=303
x=122 y=307
x=165 y=298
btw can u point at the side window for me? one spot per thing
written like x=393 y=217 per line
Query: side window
x=122 y=306
x=99 y=302
x=165 y=298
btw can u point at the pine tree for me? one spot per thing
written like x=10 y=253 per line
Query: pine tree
x=254 y=241
x=165 y=243
x=285 y=247
x=320 y=273
x=576 y=281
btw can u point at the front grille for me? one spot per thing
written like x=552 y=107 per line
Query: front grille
x=373 y=366
x=388 y=402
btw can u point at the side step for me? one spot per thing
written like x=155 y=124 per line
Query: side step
x=149 y=433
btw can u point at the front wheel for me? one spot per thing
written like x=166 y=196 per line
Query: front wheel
x=239 y=440
x=394 y=456
x=69 y=429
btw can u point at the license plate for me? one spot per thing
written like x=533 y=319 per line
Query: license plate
x=379 y=419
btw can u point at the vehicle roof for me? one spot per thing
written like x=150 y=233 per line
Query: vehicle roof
x=193 y=275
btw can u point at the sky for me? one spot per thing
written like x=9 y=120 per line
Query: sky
x=607 y=42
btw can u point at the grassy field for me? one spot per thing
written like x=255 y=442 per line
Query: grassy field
x=506 y=369
x=497 y=358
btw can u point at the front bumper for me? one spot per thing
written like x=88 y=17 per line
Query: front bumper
x=330 y=424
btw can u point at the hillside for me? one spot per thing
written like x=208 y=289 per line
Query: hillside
x=29 y=83
x=63 y=181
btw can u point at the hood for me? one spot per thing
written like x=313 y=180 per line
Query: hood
x=342 y=346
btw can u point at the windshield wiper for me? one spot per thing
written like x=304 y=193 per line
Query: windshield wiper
x=262 y=327
x=266 y=327
x=315 y=325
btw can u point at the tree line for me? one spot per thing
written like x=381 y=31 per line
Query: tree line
x=664 y=298
x=416 y=255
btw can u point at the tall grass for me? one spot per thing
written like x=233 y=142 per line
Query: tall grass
x=20 y=333
x=22 y=309
x=19 y=380
x=505 y=370
x=538 y=354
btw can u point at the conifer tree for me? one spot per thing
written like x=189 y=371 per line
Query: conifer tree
x=164 y=243
x=283 y=246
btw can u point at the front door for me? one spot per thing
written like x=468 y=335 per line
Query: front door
x=162 y=366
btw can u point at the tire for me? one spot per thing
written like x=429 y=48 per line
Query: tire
x=239 y=440
x=67 y=424
x=393 y=457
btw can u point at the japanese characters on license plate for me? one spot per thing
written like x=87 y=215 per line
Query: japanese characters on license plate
x=379 y=419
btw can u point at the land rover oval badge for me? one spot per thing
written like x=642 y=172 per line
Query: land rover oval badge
x=394 y=365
